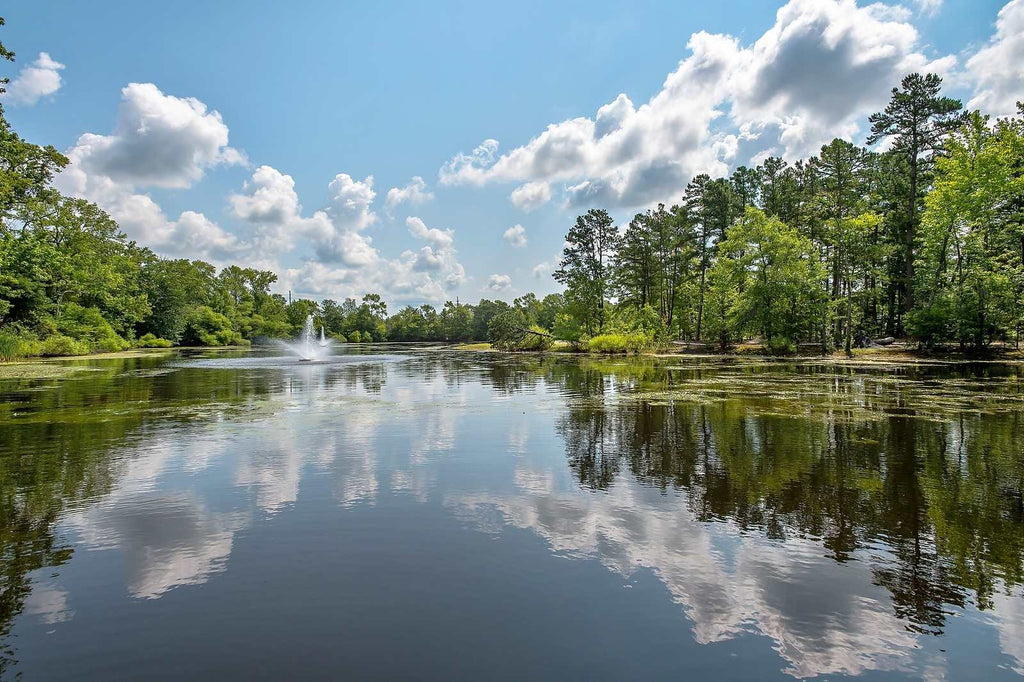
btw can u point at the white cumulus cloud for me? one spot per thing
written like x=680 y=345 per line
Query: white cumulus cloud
x=499 y=282
x=998 y=68
x=159 y=141
x=818 y=71
x=35 y=81
x=516 y=236
x=531 y=195
x=414 y=193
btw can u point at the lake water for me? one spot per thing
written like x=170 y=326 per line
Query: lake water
x=430 y=514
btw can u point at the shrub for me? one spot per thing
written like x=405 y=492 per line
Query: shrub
x=88 y=326
x=150 y=340
x=59 y=344
x=16 y=342
x=779 y=345
x=206 y=327
x=631 y=320
x=111 y=344
x=620 y=343
x=354 y=337
x=931 y=324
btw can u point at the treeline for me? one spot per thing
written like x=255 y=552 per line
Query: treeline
x=922 y=240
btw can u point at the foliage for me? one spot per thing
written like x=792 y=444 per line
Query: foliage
x=206 y=327
x=88 y=326
x=568 y=328
x=511 y=330
x=150 y=341
x=780 y=345
x=775 y=272
x=10 y=347
x=616 y=342
x=58 y=344
x=586 y=266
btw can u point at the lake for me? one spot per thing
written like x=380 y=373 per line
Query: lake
x=422 y=513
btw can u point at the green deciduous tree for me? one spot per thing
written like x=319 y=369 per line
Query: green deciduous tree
x=586 y=265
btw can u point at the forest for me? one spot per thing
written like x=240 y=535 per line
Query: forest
x=920 y=236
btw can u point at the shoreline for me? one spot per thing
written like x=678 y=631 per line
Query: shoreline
x=881 y=355
x=898 y=354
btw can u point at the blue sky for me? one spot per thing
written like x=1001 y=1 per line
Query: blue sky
x=313 y=98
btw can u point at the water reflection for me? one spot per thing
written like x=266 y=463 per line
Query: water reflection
x=851 y=516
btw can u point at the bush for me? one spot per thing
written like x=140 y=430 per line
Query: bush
x=779 y=345
x=206 y=327
x=152 y=341
x=631 y=320
x=620 y=343
x=931 y=324
x=354 y=337
x=62 y=345
x=88 y=326
x=111 y=344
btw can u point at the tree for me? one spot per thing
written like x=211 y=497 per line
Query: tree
x=298 y=311
x=636 y=267
x=333 y=317
x=917 y=119
x=972 y=241
x=456 y=322
x=745 y=182
x=173 y=288
x=699 y=212
x=585 y=267
x=854 y=239
x=776 y=274
x=840 y=196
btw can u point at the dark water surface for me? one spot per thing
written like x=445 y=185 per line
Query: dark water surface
x=430 y=514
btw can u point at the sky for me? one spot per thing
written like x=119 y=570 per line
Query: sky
x=434 y=151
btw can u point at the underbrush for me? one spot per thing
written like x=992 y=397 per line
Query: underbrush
x=58 y=344
x=779 y=346
x=10 y=347
x=152 y=341
x=613 y=342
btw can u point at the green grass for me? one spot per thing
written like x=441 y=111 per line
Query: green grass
x=619 y=343
x=473 y=346
x=10 y=347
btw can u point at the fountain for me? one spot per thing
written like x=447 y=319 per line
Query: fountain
x=307 y=347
